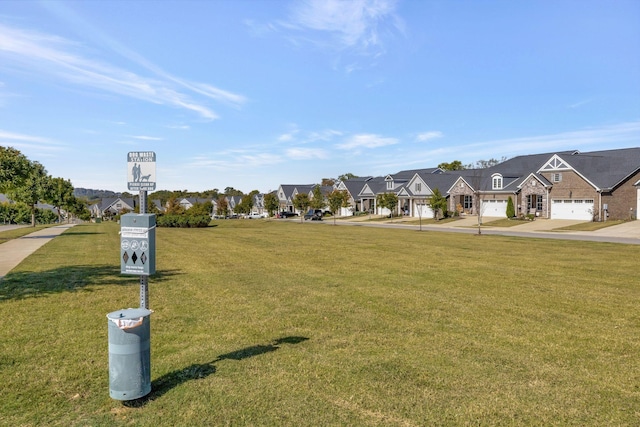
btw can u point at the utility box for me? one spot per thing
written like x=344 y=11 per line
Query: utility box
x=138 y=244
x=129 y=353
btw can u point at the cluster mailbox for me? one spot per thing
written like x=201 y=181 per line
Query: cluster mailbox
x=138 y=244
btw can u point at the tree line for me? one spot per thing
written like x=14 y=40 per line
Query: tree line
x=27 y=183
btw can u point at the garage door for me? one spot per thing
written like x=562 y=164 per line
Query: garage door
x=497 y=208
x=578 y=209
x=423 y=211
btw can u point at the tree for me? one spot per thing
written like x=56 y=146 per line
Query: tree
x=174 y=207
x=14 y=168
x=317 y=198
x=60 y=195
x=337 y=199
x=271 y=203
x=230 y=191
x=245 y=205
x=438 y=203
x=483 y=164
x=347 y=176
x=511 y=210
x=387 y=200
x=33 y=189
x=223 y=207
x=301 y=202
x=328 y=182
x=455 y=165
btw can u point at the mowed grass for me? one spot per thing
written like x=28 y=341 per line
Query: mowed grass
x=279 y=323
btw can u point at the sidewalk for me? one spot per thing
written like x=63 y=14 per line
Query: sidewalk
x=14 y=251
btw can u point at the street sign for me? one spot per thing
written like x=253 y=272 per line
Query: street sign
x=141 y=170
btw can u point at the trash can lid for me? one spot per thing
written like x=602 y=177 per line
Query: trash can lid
x=129 y=313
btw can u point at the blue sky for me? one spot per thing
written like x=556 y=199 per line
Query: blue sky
x=253 y=94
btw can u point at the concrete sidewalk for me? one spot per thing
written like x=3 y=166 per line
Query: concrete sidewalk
x=15 y=251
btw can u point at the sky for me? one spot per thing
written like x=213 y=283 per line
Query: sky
x=252 y=94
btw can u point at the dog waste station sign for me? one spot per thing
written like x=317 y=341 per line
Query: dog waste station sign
x=141 y=167
x=129 y=329
x=138 y=244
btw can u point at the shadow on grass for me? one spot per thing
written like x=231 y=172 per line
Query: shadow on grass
x=67 y=279
x=165 y=383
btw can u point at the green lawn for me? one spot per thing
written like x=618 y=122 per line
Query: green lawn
x=279 y=323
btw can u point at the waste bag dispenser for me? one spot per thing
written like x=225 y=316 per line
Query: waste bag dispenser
x=129 y=353
x=138 y=244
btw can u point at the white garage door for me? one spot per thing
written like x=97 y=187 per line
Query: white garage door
x=578 y=209
x=497 y=208
x=422 y=211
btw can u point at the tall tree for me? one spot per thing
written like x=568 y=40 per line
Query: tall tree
x=301 y=202
x=60 y=195
x=245 y=205
x=271 y=203
x=328 y=182
x=347 y=176
x=223 y=207
x=337 y=199
x=439 y=204
x=14 y=168
x=387 y=200
x=317 y=198
x=455 y=165
x=33 y=189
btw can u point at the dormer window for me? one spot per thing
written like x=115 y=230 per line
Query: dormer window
x=496 y=182
x=389 y=185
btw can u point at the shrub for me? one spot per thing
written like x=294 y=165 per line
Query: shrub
x=183 y=221
x=511 y=210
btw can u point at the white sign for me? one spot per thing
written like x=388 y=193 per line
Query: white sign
x=141 y=170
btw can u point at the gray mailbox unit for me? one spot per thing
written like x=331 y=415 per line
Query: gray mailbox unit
x=138 y=244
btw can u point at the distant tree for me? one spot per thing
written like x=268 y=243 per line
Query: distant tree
x=271 y=203
x=317 y=198
x=438 y=204
x=483 y=164
x=337 y=199
x=511 y=210
x=387 y=200
x=223 y=206
x=347 y=176
x=201 y=209
x=60 y=195
x=455 y=165
x=33 y=189
x=79 y=210
x=174 y=207
x=245 y=205
x=230 y=191
x=301 y=202
x=328 y=182
x=14 y=168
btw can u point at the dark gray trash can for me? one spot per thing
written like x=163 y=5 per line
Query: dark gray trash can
x=129 y=353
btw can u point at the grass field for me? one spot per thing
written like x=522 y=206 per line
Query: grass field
x=279 y=323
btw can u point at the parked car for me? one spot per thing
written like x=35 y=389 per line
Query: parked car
x=286 y=214
x=314 y=215
x=255 y=215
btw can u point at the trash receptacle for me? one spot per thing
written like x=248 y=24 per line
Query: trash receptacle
x=129 y=353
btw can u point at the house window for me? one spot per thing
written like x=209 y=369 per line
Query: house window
x=557 y=177
x=539 y=204
x=496 y=182
x=468 y=202
x=418 y=187
x=389 y=185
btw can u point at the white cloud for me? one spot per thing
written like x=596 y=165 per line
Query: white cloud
x=306 y=153
x=354 y=24
x=426 y=136
x=53 y=56
x=29 y=145
x=366 y=141
x=146 y=138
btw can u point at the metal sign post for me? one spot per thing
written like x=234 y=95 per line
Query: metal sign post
x=141 y=176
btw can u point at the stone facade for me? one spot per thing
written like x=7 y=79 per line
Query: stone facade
x=533 y=186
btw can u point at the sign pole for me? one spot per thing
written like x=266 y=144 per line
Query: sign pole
x=144 y=280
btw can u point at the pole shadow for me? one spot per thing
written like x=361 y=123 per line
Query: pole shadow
x=198 y=371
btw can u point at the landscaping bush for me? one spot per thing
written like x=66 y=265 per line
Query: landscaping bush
x=183 y=221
